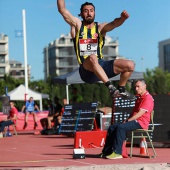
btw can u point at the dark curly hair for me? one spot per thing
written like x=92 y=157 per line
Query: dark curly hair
x=82 y=6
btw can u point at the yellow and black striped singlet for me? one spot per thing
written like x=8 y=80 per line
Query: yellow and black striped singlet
x=87 y=42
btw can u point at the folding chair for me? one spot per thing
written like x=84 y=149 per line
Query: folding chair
x=7 y=129
x=139 y=133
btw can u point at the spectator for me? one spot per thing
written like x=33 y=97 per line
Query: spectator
x=29 y=108
x=62 y=111
x=11 y=119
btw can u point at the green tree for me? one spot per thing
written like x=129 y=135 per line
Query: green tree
x=160 y=84
x=149 y=78
x=158 y=81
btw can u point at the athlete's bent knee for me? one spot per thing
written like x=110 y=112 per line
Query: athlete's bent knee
x=130 y=65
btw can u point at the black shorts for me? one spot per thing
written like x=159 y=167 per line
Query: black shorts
x=89 y=77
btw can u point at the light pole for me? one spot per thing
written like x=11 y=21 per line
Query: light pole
x=142 y=58
x=25 y=53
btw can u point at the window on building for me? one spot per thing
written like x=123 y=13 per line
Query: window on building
x=18 y=73
x=2 y=48
x=18 y=65
x=22 y=72
x=71 y=40
x=2 y=59
x=62 y=41
x=2 y=70
x=51 y=53
x=64 y=63
x=12 y=65
x=63 y=52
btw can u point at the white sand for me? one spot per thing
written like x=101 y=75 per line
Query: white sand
x=158 y=166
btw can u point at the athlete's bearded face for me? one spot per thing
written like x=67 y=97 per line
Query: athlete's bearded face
x=88 y=14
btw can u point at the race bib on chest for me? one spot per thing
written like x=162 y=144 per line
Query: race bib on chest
x=88 y=46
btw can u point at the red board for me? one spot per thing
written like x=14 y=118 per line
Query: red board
x=94 y=139
x=89 y=139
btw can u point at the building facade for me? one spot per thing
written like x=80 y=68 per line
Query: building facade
x=4 y=55
x=17 y=70
x=60 y=57
x=10 y=67
x=164 y=55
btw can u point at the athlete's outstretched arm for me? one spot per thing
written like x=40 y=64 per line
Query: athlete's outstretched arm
x=68 y=17
x=115 y=23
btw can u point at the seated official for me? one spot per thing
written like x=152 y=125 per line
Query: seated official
x=29 y=108
x=139 y=119
x=11 y=119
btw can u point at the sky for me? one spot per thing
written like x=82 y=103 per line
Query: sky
x=138 y=37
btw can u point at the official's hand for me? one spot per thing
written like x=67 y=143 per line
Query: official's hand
x=124 y=15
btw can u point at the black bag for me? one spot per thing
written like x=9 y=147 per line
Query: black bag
x=49 y=132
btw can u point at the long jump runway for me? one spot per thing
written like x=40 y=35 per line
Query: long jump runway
x=29 y=151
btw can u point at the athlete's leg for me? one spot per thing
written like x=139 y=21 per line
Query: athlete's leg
x=34 y=116
x=50 y=119
x=44 y=123
x=91 y=64
x=26 y=116
x=59 y=119
x=26 y=119
x=35 y=119
x=124 y=68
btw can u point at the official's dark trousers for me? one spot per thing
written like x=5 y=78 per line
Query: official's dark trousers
x=116 y=134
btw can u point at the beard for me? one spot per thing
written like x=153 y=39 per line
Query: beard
x=88 y=20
